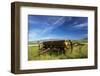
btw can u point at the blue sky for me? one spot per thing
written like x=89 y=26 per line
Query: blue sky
x=42 y=27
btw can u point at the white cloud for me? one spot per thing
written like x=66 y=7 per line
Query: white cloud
x=81 y=25
x=34 y=34
x=56 y=24
x=37 y=22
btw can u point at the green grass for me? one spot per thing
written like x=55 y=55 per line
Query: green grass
x=75 y=54
x=32 y=51
x=82 y=53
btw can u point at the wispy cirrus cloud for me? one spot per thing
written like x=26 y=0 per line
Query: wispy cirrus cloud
x=35 y=33
x=37 y=22
x=81 y=25
x=56 y=24
x=61 y=27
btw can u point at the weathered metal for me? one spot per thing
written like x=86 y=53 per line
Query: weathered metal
x=59 y=47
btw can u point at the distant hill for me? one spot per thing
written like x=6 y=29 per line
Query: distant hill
x=44 y=40
x=50 y=40
x=85 y=40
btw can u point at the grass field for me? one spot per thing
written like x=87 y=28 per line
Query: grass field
x=76 y=53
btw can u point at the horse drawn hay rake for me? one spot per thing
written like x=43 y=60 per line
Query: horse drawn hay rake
x=57 y=47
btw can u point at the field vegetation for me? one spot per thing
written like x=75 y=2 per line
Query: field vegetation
x=75 y=54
